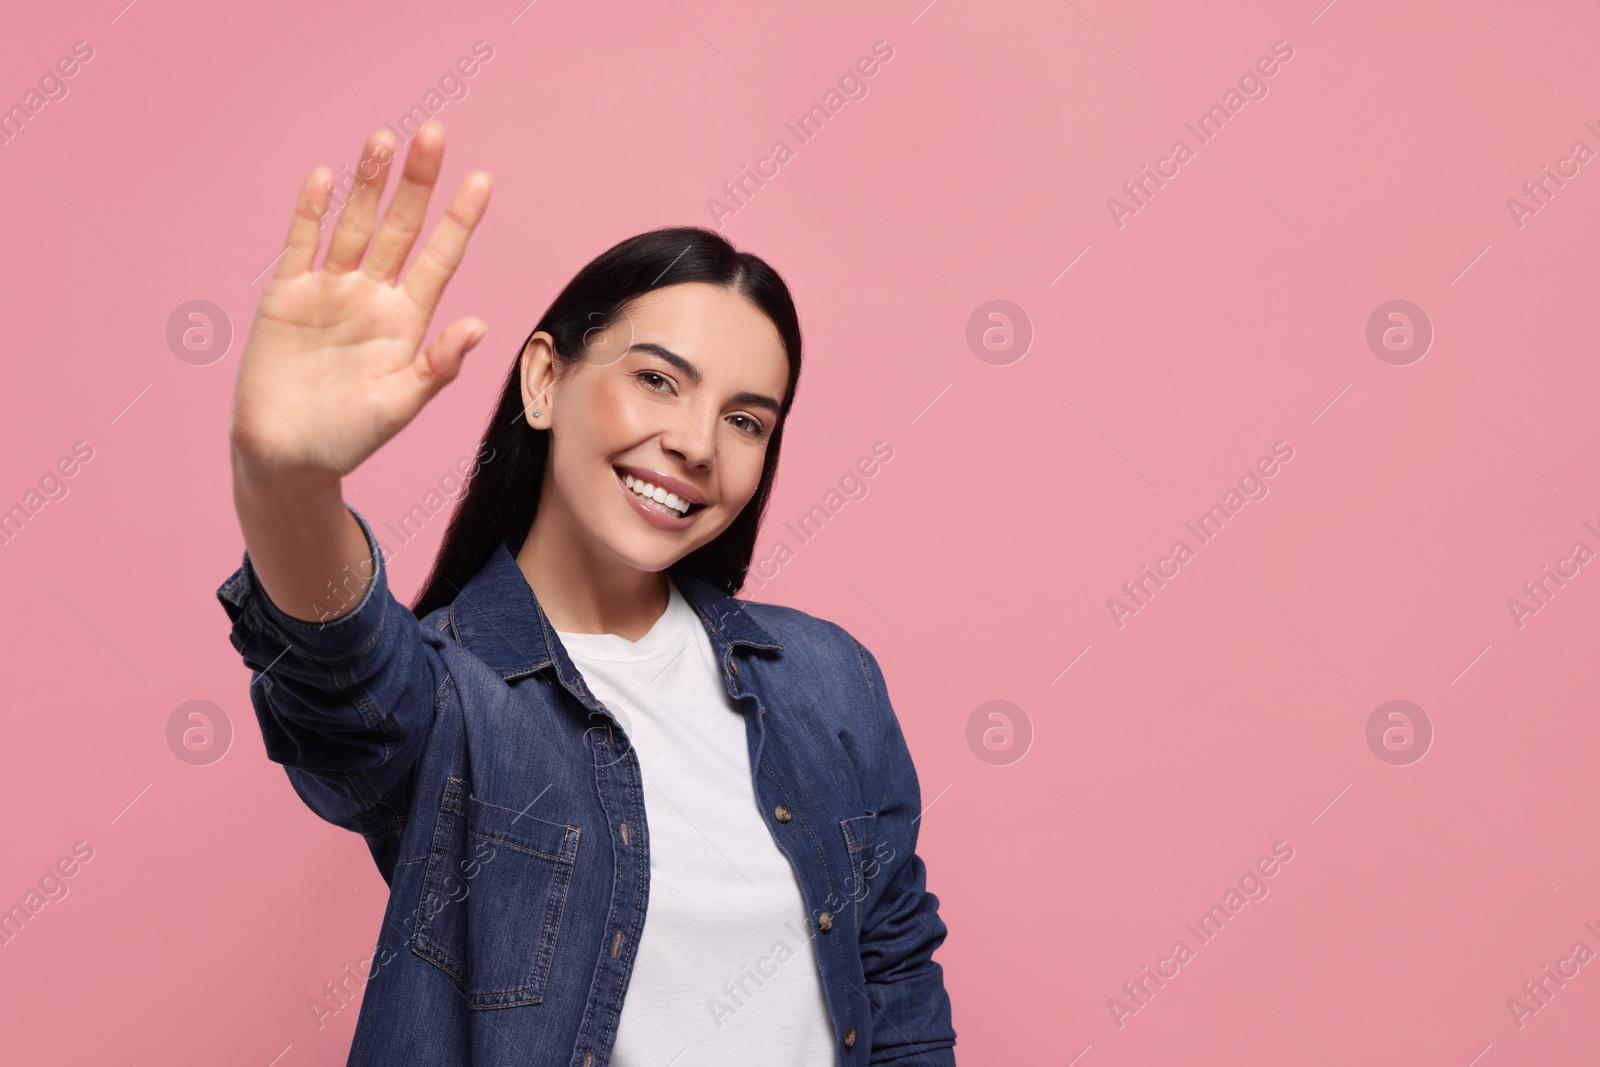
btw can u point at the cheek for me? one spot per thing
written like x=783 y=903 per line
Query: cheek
x=608 y=405
x=741 y=475
x=590 y=422
x=610 y=416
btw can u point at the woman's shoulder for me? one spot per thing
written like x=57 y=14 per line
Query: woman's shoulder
x=833 y=684
x=812 y=642
x=796 y=625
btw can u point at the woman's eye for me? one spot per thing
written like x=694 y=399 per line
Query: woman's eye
x=751 y=426
x=657 y=382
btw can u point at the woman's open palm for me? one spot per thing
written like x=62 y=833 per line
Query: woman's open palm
x=334 y=366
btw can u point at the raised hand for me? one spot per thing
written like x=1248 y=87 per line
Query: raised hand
x=334 y=365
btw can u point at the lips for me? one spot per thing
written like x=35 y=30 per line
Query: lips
x=654 y=512
x=682 y=489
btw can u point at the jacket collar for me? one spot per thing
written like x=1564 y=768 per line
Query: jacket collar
x=498 y=618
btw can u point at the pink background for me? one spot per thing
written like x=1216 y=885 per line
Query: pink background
x=1229 y=313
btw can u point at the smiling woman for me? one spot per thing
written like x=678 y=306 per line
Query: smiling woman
x=672 y=781
x=681 y=385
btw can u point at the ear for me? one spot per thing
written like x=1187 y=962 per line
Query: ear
x=538 y=373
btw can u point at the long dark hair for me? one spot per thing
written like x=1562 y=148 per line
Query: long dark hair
x=502 y=494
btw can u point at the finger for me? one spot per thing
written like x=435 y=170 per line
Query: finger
x=356 y=221
x=403 y=221
x=439 y=258
x=438 y=364
x=305 y=228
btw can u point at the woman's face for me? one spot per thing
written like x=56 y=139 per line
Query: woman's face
x=680 y=394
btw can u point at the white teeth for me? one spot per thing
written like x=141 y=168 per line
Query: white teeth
x=656 y=493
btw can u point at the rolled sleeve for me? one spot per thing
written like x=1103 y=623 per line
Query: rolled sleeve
x=333 y=640
x=345 y=705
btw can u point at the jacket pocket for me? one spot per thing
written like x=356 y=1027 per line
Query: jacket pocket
x=858 y=842
x=491 y=900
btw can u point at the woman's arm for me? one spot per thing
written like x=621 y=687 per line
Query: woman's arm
x=346 y=706
x=308 y=552
x=900 y=924
x=346 y=688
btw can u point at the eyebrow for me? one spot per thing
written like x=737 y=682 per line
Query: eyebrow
x=759 y=400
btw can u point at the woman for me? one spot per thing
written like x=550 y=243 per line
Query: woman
x=701 y=848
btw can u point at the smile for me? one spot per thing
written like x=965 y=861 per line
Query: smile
x=657 y=498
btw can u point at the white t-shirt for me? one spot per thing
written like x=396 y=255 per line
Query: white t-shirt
x=725 y=971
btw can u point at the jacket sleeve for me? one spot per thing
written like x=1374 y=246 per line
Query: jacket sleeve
x=900 y=924
x=345 y=706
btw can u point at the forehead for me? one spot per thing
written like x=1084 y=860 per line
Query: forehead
x=717 y=329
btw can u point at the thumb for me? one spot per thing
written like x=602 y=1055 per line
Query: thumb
x=438 y=364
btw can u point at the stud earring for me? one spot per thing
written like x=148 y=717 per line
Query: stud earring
x=536 y=413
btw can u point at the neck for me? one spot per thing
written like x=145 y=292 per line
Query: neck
x=582 y=587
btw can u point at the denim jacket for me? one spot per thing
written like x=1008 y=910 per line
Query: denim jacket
x=504 y=807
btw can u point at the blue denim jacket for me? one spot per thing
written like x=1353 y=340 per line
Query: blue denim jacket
x=504 y=807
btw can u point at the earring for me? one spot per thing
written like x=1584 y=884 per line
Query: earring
x=536 y=413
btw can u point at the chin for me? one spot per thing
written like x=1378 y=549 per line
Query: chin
x=650 y=554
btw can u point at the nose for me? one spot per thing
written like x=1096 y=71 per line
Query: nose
x=691 y=433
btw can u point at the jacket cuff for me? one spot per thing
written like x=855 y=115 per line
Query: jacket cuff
x=247 y=604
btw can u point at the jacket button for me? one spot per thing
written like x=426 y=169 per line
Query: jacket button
x=850 y=1038
x=782 y=813
x=825 y=921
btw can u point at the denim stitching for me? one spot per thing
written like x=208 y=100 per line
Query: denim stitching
x=363 y=789
x=555 y=901
x=424 y=945
x=858 y=864
x=308 y=628
x=554 y=906
x=386 y=829
x=270 y=625
x=421 y=944
x=441 y=697
x=866 y=669
x=571 y=836
x=633 y=796
x=849 y=837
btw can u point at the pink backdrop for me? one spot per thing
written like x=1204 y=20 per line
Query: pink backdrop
x=1148 y=356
